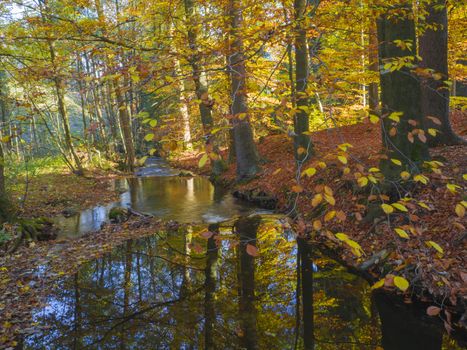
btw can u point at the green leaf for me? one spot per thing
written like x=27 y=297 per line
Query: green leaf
x=153 y=123
x=149 y=137
x=203 y=160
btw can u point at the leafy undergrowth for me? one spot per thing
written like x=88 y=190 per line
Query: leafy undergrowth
x=421 y=239
x=27 y=276
x=51 y=193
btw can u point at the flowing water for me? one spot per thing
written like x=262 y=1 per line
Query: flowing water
x=189 y=289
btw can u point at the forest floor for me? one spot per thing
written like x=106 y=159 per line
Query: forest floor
x=57 y=191
x=441 y=278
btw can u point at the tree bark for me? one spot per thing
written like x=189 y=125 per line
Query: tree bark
x=126 y=128
x=302 y=142
x=373 y=93
x=400 y=92
x=201 y=88
x=306 y=271
x=245 y=149
x=433 y=48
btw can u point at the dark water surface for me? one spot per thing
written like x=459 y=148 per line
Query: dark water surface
x=177 y=290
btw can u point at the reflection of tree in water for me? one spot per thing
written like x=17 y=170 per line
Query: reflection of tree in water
x=161 y=292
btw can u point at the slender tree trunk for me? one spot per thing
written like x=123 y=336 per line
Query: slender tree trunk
x=400 y=92
x=126 y=128
x=247 y=158
x=373 y=94
x=2 y=173
x=210 y=288
x=433 y=49
x=302 y=142
x=201 y=89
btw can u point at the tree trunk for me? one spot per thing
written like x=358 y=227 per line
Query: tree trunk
x=302 y=142
x=201 y=88
x=210 y=287
x=435 y=93
x=373 y=94
x=246 y=228
x=400 y=92
x=126 y=128
x=306 y=271
x=245 y=149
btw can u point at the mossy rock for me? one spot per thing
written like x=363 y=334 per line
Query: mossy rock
x=118 y=214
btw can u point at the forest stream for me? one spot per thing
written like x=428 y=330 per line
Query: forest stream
x=228 y=282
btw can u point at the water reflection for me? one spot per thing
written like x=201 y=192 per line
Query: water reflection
x=170 y=197
x=176 y=290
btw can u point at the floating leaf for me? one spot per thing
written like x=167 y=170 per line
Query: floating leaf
x=387 y=208
x=374 y=119
x=395 y=116
x=396 y=161
x=401 y=283
x=432 y=131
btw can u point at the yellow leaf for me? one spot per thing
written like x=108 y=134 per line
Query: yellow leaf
x=372 y=179
x=330 y=199
x=421 y=178
x=346 y=171
x=460 y=210
x=318 y=198
x=432 y=131
x=309 y=172
x=317 y=225
x=342 y=159
x=362 y=181
x=423 y=205
x=374 y=170
x=356 y=249
x=452 y=188
x=401 y=283
x=401 y=233
x=374 y=119
x=464 y=176
x=328 y=190
x=395 y=116
x=399 y=207
x=378 y=284
x=149 y=137
x=322 y=165
x=277 y=171
x=405 y=175
x=330 y=215
x=387 y=208
x=435 y=246
x=342 y=236
x=203 y=160
x=396 y=161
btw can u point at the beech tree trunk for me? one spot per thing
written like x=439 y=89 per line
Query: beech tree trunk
x=435 y=93
x=302 y=142
x=245 y=149
x=400 y=92
x=126 y=128
x=201 y=88
x=373 y=93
